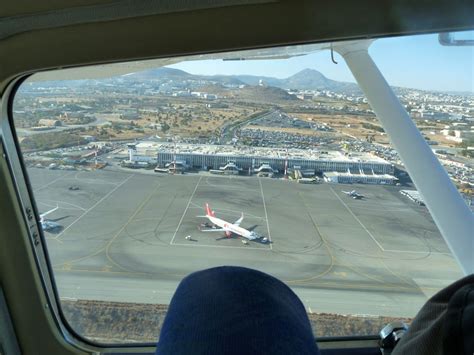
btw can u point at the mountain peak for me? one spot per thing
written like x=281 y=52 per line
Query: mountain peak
x=308 y=79
x=309 y=73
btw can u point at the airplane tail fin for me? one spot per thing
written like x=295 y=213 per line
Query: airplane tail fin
x=237 y=222
x=209 y=212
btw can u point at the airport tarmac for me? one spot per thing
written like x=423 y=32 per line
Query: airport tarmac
x=123 y=238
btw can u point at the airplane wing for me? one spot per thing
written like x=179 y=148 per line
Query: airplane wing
x=252 y=227
x=42 y=215
x=237 y=222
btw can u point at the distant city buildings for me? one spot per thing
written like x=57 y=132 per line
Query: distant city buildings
x=459 y=133
x=173 y=104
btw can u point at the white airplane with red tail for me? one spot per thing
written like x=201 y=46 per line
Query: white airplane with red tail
x=230 y=228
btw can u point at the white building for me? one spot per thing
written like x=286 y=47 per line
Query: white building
x=141 y=153
x=204 y=156
x=349 y=178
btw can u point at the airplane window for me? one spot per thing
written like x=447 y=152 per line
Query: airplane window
x=144 y=172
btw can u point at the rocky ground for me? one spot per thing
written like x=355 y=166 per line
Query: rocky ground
x=111 y=322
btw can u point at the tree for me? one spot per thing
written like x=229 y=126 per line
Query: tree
x=165 y=127
x=467 y=153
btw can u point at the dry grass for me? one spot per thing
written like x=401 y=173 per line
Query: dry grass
x=131 y=322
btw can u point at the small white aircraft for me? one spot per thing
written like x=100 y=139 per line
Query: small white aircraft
x=354 y=194
x=231 y=228
x=47 y=225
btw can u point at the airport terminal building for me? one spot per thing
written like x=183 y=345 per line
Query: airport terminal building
x=361 y=178
x=205 y=157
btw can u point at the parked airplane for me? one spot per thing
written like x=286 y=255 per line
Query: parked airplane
x=231 y=228
x=48 y=225
x=354 y=194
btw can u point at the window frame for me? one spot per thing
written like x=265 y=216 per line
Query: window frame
x=37 y=240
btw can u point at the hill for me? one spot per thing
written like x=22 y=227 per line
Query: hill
x=267 y=94
x=158 y=73
x=307 y=79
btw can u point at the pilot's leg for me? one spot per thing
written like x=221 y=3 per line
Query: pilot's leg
x=444 y=325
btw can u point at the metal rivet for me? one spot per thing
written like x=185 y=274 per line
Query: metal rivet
x=35 y=238
x=29 y=213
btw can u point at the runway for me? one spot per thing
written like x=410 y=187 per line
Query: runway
x=123 y=238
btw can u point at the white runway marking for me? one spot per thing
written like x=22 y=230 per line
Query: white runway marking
x=53 y=238
x=227 y=186
x=76 y=207
x=195 y=205
x=375 y=240
x=50 y=183
x=185 y=210
x=358 y=220
x=93 y=181
x=416 y=252
x=193 y=245
x=93 y=206
x=376 y=209
x=266 y=215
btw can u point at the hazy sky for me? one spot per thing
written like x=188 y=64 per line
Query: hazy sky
x=415 y=61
